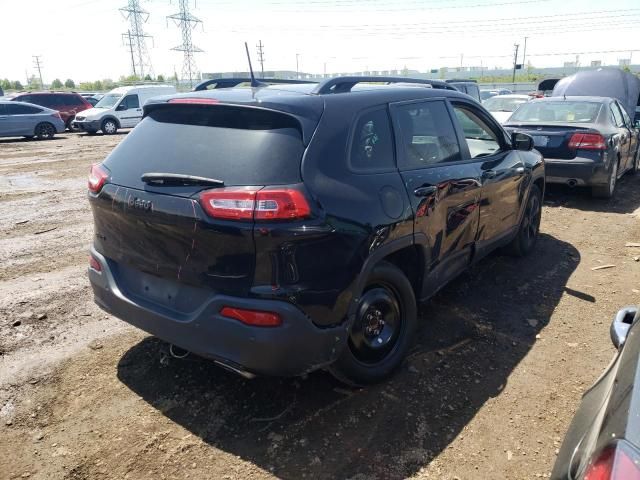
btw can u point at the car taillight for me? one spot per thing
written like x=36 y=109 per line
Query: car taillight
x=254 y=318
x=587 y=141
x=247 y=203
x=98 y=175
x=94 y=264
x=615 y=462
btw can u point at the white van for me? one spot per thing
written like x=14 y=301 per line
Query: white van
x=120 y=108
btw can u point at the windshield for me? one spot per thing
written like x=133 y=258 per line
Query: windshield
x=573 y=112
x=109 y=100
x=498 y=104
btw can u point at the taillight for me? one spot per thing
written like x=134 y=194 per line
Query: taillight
x=587 y=141
x=281 y=204
x=98 y=175
x=254 y=318
x=94 y=264
x=247 y=203
x=230 y=203
x=615 y=462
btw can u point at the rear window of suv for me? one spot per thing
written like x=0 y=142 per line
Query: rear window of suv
x=238 y=145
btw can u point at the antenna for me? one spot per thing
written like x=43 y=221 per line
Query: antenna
x=254 y=82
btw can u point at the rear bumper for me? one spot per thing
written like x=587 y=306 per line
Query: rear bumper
x=294 y=348
x=576 y=172
x=86 y=125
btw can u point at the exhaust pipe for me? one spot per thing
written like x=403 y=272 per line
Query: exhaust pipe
x=177 y=352
x=572 y=183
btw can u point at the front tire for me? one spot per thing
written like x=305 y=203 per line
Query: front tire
x=45 y=131
x=382 y=332
x=529 y=228
x=109 y=126
x=609 y=189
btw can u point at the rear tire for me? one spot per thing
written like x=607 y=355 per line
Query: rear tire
x=109 y=127
x=382 y=332
x=45 y=131
x=608 y=190
x=529 y=228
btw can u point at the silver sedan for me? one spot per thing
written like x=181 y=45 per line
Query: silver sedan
x=19 y=119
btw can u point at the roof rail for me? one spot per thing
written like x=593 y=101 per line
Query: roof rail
x=345 y=84
x=457 y=80
x=233 y=82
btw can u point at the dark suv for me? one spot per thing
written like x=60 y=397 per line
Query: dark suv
x=67 y=103
x=282 y=229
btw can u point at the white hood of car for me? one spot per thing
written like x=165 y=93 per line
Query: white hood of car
x=92 y=113
x=501 y=117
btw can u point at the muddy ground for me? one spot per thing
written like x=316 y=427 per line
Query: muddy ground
x=503 y=356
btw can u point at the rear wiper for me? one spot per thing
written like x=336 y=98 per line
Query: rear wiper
x=172 y=179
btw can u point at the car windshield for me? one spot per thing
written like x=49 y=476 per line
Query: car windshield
x=573 y=112
x=498 y=104
x=109 y=100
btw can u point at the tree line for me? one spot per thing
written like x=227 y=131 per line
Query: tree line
x=69 y=84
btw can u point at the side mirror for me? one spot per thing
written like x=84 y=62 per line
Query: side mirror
x=621 y=325
x=121 y=107
x=521 y=141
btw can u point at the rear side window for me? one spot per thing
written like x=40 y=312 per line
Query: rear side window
x=372 y=142
x=617 y=116
x=18 y=109
x=238 y=145
x=74 y=100
x=24 y=98
x=426 y=135
x=44 y=100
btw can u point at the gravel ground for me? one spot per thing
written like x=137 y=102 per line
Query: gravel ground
x=503 y=356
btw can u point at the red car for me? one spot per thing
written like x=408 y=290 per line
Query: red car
x=67 y=103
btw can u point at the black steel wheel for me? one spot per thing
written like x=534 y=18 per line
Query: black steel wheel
x=382 y=330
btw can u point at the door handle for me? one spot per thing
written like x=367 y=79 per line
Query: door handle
x=425 y=191
x=489 y=174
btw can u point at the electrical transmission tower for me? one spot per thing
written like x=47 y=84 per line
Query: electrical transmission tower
x=135 y=39
x=260 y=47
x=38 y=64
x=186 y=22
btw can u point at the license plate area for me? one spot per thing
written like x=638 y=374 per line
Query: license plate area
x=540 y=140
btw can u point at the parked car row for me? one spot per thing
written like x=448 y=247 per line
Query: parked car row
x=120 y=108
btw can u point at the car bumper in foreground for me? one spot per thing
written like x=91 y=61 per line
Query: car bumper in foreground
x=576 y=172
x=86 y=125
x=294 y=348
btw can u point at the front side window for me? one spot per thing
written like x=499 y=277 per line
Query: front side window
x=480 y=137
x=426 y=135
x=372 y=145
x=131 y=101
x=617 y=116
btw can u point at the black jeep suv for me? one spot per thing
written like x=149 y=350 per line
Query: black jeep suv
x=286 y=228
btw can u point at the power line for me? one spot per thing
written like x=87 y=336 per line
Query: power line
x=135 y=38
x=187 y=22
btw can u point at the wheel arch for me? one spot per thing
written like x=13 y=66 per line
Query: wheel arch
x=110 y=117
x=407 y=253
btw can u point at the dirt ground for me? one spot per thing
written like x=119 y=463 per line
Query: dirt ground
x=503 y=356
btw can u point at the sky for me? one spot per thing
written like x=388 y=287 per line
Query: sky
x=82 y=39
